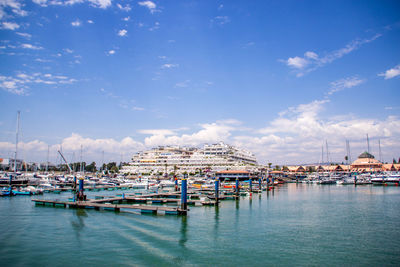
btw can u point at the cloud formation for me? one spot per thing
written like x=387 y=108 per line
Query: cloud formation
x=342 y=84
x=391 y=73
x=9 y=25
x=20 y=84
x=122 y=32
x=94 y=3
x=311 y=61
x=76 y=23
x=149 y=4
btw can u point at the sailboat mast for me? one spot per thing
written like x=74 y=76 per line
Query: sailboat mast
x=327 y=152
x=322 y=155
x=380 y=152
x=80 y=167
x=16 y=141
x=47 y=163
x=367 y=143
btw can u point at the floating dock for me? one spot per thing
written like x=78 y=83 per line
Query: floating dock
x=114 y=207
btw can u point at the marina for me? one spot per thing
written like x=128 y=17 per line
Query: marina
x=293 y=224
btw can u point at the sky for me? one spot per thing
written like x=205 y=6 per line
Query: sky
x=278 y=78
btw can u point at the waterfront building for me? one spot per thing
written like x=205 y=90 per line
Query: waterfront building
x=177 y=160
x=366 y=162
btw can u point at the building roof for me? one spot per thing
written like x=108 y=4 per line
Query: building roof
x=366 y=155
x=366 y=162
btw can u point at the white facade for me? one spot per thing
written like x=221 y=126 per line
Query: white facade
x=216 y=157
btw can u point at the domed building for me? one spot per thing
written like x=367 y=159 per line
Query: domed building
x=366 y=163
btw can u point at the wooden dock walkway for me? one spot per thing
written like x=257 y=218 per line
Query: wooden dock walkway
x=114 y=207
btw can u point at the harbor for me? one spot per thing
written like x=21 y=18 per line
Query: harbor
x=293 y=224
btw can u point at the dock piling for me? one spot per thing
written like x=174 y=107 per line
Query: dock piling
x=237 y=187
x=184 y=194
x=216 y=191
x=250 y=184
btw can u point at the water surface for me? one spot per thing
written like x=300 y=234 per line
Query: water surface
x=294 y=225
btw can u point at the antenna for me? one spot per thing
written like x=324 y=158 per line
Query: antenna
x=367 y=143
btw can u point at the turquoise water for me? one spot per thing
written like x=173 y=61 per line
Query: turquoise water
x=294 y=225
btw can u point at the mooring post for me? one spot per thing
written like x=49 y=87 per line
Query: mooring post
x=74 y=188
x=184 y=194
x=176 y=183
x=216 y=191
x=237 y=186
x=81 y=196
x=250 y=184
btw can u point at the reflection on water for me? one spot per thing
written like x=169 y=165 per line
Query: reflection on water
x=216 y=222
x=183 y=239
x=78 y=222
x=294 y=225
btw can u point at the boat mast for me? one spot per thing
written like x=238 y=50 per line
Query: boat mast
x=367 y=143
x=322 y=155
x=380 y=152
x=327 y=152
x=16 y=142
x=47 y=163
x=80 y=167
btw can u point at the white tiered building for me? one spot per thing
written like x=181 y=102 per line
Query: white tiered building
x=175 y=159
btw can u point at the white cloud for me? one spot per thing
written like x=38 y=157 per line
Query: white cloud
x=183 y=84
x=111 y=52
x=342 y=84
x=391 y=73
x=126 y=18
x=209 y=133
x=122 y=32
x=20 y=84
x=14 y=5
x=90 y=21
x=126 y=8
x=67 y=50
x=312 y=61
x=94 y=3
x=137 y=108
x=23 y=34
x=221 y=20
x=10 y=25
x=311 y=55
x=169 y=66
x=100 y=3
x=40 y=2
x=30 y=46
x=93 y=146
x=149 y=4
x=76 y=23
x=297 y=62
x=301 y=130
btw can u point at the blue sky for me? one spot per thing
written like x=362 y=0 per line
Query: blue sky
x=278 y=78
